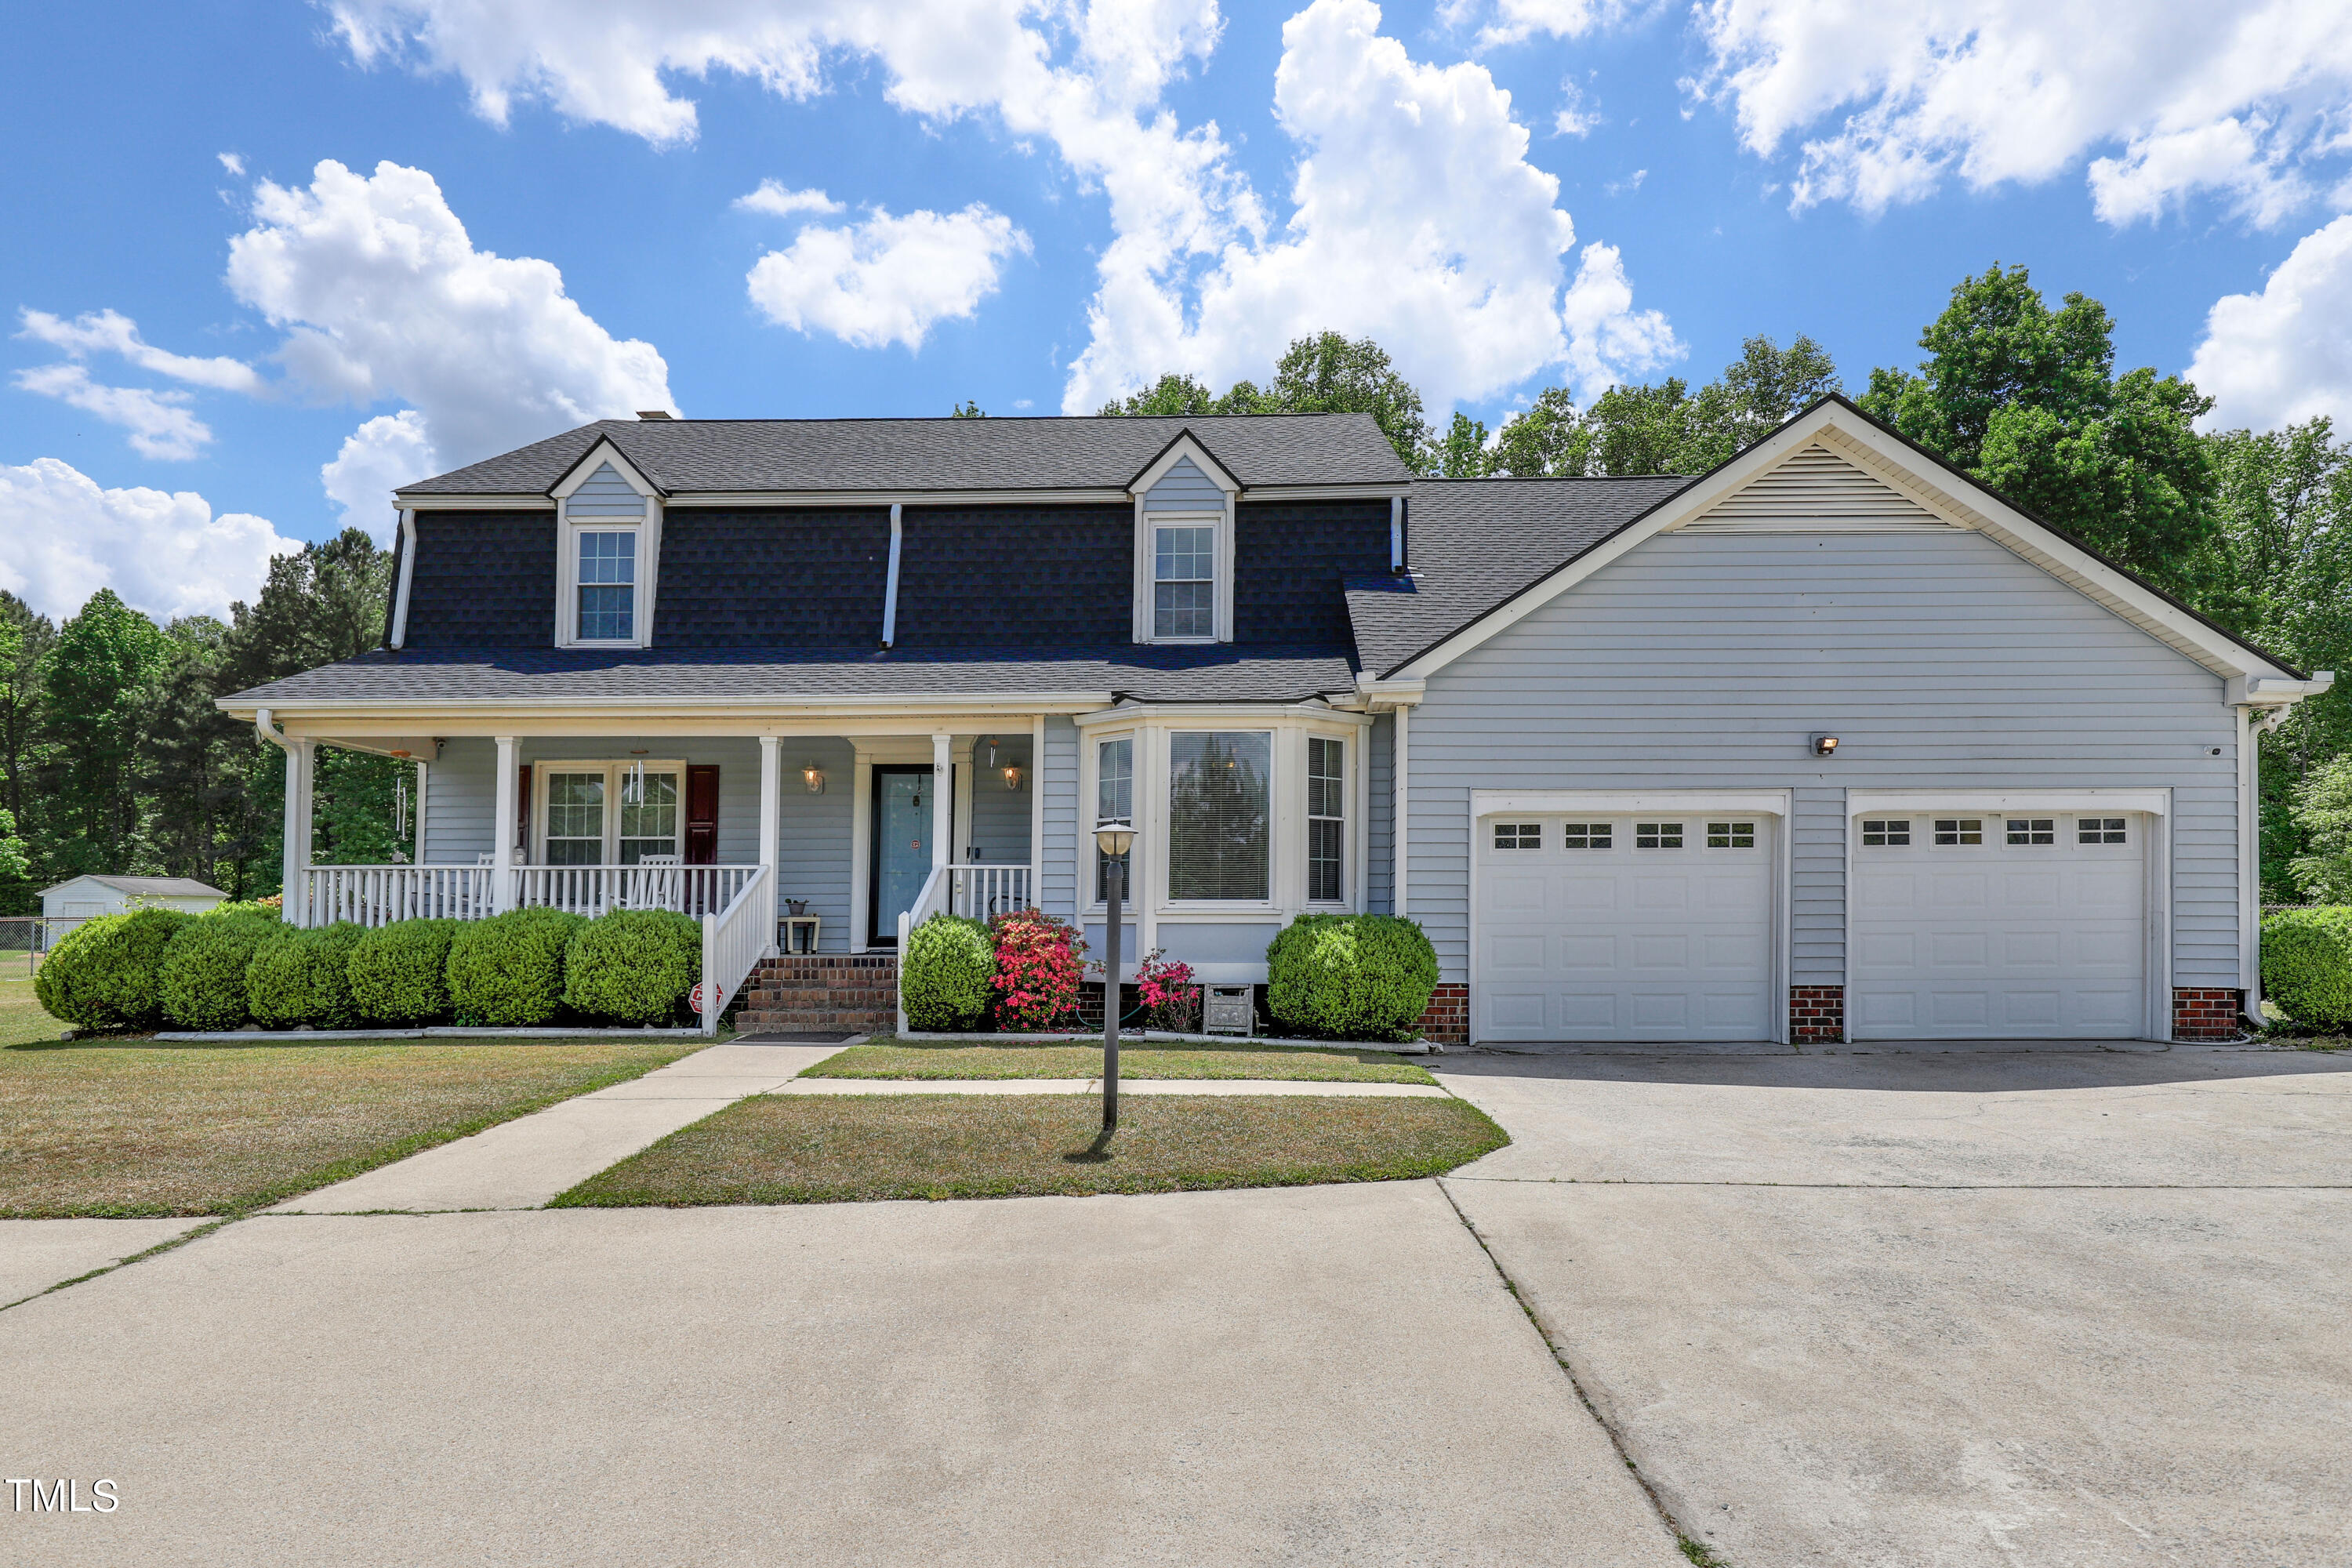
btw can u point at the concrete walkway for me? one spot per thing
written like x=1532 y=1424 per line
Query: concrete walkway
x=524 y=1162
x=37 y=1254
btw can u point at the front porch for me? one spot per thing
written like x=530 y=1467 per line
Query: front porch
x=781 y=845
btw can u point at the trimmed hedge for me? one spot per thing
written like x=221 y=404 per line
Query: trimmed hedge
x=203 y=968
x=508 y=971
x=632 y=966
x=108 y=972
x=2306 y=966
x=1350 y=977
x=400 y=973
x=944 y=974
x=302 y=978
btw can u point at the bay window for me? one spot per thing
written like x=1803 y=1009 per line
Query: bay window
x=1219 y=818
x=1326 y=820
x=1114 y=802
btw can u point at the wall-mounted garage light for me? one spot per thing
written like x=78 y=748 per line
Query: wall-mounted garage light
x=1824 y=745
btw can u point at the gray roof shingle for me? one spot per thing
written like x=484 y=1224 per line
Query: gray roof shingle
x=149 y=886
x=802 y=455
x=1182 y=673
x=1476 y=542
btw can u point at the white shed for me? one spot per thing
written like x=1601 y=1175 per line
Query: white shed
x=70 y=902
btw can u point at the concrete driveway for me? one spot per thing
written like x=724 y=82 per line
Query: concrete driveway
x=2057 y=1307
x=1313 y=1375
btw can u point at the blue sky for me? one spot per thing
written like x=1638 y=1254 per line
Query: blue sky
x=1032 y=205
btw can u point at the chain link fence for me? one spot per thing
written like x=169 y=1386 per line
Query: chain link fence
x=26 y=940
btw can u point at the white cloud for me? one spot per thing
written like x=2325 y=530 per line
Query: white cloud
x=1891 y=101
x=2285 y=354
x=384 y=297
x=774 y=199
x=1441 y=246
x=160 y=424
x=888 y=280
x=1574 y=117
x=109 y=332
x=232 y=163
x=1516 y=20
x=387 y=452
x=165 y=554
x=1606 y=336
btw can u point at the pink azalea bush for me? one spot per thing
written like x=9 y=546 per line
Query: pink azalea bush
x=1171 y=1001
x=1039 y=961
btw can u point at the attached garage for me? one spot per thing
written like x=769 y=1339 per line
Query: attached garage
x=2013 y=918
x=1607 y=920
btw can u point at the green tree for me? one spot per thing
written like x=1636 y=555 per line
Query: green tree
x=1327 y=373
x=1463 y=454
x=94 y=695
x=2323 y=811
x=15 y=869
x=2026 y=401
x=1665 y=427
x=25 y=640
x=967 y=409
x=1548 y=439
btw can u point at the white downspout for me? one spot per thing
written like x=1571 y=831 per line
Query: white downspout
x=407 y=570
x=890 y=590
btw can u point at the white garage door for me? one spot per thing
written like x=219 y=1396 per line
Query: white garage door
x=1975 y=925
x=1656 y=927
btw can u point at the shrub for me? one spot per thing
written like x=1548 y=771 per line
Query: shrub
x=400 y=973
x=944 y=974
x=108 y=972
x=1169 y=999
x=203 y=967
x=1039 y=963
x=508 y=971
x=2306 y=966
x=632 y=966
x=301 y=978
x=1353 y=977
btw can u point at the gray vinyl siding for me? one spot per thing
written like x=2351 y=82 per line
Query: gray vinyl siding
x=458 y=802
x=1704 y=661
x=606 y=494
x=999 y=827
x=1057 y=776
x=1185 y=488
x=1378 y=754
x=1197 y=942
x=815 y=831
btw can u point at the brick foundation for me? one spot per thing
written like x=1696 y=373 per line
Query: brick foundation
x=2207 y=1013
x=804 y=993
x=1816 y=1015
x=1447 y=1020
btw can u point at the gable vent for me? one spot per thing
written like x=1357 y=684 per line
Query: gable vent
x=1815 y=492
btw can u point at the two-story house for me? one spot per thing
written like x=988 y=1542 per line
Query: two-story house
x=1829 y=742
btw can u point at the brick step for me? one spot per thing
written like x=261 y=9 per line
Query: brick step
x=806 y=992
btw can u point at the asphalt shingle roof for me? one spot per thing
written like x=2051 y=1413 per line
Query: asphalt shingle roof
x=1476 y=542
x=1182 y=673
x=942 y=453
x=152 y=886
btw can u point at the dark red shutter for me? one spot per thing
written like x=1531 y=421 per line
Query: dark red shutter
x=522 y=812
x=702 y=813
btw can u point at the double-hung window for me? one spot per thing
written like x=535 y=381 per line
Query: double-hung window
x=1219 y=815
x=1185 y=581
x=608 y=585
x=605 y=814
x=1114 y=802
x=1326 y=820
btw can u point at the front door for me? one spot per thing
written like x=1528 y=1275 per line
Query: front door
x=902 y=846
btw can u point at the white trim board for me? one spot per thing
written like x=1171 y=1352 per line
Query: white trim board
x=1497 y=802
x=1185 y=445
x=2154 y=802
x=1886 y=457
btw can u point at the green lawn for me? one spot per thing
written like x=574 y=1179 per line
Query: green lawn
x=22 y=1018
x=993 y=1058
x=134 y=1128
x=800 y=1149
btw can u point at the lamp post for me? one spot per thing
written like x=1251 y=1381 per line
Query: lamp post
x=1114 y=839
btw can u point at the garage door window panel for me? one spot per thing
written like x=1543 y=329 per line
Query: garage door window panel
x=1657 y=836
x=2102 y=830
x=1518 y=836
x=1587 y=835
x=1958 y=832
x=1880 y=834
x=2027 y=831
x=1731 y=836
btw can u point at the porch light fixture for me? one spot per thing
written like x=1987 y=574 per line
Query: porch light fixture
x=1824 y=745
x=1013 y=780
x=814 y=776
x=1114 y=839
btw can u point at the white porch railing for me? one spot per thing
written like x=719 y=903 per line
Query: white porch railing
x=376 y=895
x=594 y=890
x=980 y=892
x=734 y=940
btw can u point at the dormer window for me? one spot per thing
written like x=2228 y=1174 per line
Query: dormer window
x=608 y=526
x=1185 y=581
x=608 y=585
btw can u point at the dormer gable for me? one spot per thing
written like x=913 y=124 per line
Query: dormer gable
x=608 y=520
x=1184 y=510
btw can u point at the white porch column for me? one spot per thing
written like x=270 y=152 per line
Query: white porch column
x=502 y=827
x=294 y=900
x=942 y=800
x=771 y=810
x=1402 y=831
